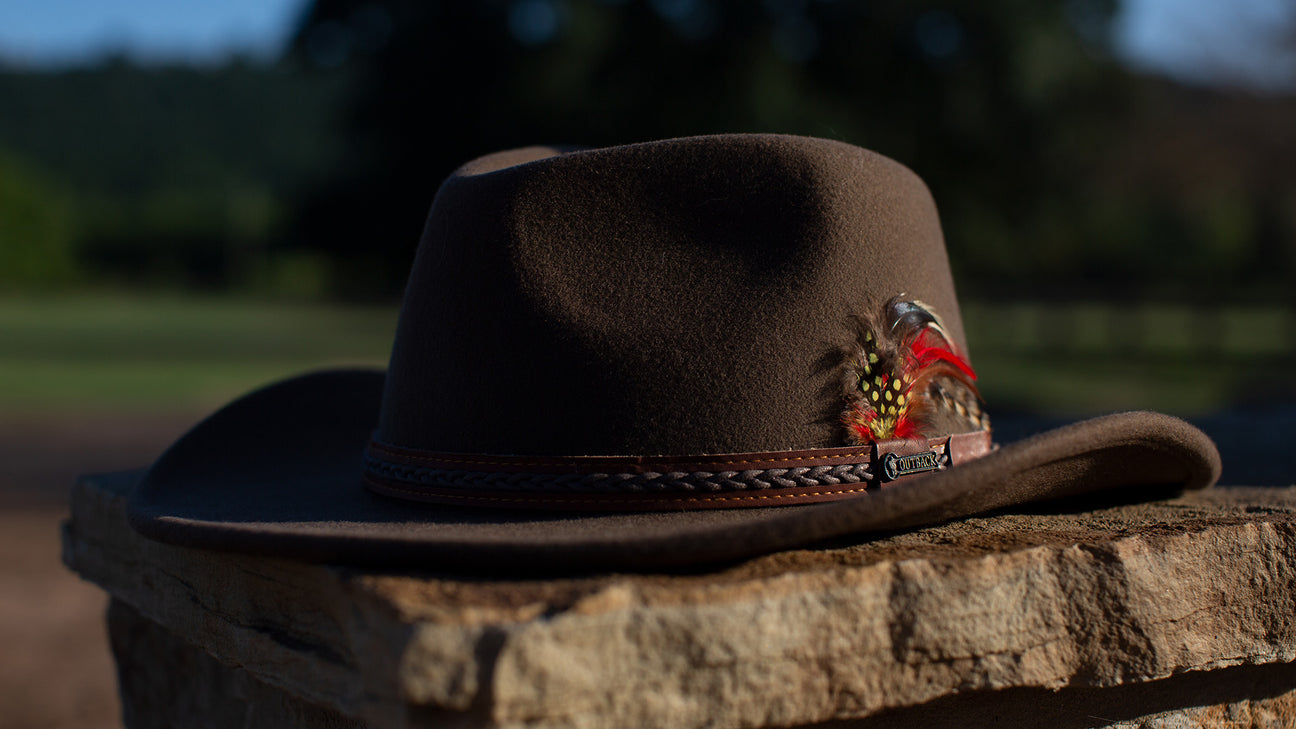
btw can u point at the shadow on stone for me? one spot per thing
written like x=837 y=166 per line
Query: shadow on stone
x=1272 y=687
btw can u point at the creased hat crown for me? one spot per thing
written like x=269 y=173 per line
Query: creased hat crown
x=676 y=297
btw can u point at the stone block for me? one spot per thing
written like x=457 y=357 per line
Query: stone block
x=1166 y=614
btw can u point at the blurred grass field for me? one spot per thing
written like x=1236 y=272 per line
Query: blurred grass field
x=142 y=355
x=1086 y=358
x=139 y=355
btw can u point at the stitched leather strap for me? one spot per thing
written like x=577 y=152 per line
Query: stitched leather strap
x=643 y=483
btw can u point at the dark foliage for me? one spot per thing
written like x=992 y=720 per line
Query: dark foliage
x=998 y=105
x=170 y=175
x=1057 y=171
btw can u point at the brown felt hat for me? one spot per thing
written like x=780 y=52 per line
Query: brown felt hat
x=657 y=355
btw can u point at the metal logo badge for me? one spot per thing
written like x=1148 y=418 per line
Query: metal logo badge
x=894 y=466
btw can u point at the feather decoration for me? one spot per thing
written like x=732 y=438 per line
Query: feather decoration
x=904 y=378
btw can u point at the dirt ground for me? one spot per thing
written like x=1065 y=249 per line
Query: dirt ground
x=55 y=667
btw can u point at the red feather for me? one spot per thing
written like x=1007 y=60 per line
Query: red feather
x=898 y=365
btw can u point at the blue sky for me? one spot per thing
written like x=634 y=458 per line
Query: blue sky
x=1248 y=41
x=56 y=32
x=1223 y=39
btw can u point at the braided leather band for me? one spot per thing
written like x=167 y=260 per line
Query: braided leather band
x=644 y=483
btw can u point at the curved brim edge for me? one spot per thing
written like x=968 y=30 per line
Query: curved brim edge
x=277 y=472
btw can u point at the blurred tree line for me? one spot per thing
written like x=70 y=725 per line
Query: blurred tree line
x=180 y=177
x=1055 y=168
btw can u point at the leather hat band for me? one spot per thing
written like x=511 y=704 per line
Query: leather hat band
x=651 y=483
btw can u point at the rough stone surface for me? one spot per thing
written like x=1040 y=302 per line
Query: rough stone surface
x=215 y=695
x=1175 y=613
x=152 y=664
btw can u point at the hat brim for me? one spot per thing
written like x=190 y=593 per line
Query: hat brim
x=279 y=472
